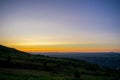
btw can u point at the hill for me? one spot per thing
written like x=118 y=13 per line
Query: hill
x=18 y=65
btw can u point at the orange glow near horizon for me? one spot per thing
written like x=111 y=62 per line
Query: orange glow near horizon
x=66 y=50
x=62 y=48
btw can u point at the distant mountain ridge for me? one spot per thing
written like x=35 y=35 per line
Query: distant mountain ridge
x=106 y=59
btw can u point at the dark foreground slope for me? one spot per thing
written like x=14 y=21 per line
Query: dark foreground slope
x=18 y=65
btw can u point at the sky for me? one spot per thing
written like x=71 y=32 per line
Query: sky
x=60 y=25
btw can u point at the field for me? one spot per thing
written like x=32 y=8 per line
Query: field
x=18 y=65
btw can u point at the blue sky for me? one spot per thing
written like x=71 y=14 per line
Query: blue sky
x=70 y=23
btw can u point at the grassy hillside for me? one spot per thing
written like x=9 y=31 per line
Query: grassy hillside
x=18 y=65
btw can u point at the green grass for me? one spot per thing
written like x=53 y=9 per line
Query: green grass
x=23 y=74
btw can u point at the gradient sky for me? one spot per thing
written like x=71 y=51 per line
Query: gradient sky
x=60 y=25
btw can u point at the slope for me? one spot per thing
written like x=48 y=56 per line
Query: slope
x=15 y=63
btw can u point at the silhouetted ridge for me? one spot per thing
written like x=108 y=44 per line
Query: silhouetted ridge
x=7 y=51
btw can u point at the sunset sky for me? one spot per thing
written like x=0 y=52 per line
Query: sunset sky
x=60 y=25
